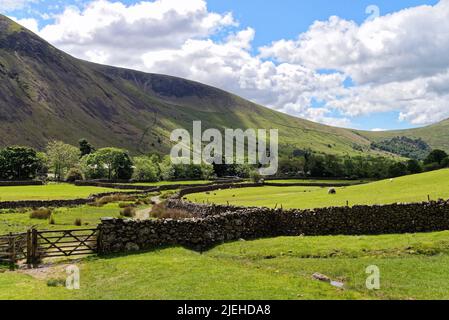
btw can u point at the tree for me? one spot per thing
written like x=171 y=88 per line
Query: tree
x=167 y=169
x=85 y=148
x=19 y=163
x=207 y=171
x=145 y=169
x=116 y=163
x=315 y=166
x=436 y=156
x=61 y=157
x=397 y=169
x=413 y=166
x=73 y=175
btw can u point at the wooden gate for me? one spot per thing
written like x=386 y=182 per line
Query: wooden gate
x=36 y=245
x=13 y=247
x=61 y=243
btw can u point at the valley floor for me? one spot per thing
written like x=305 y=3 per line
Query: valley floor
x=411 y=267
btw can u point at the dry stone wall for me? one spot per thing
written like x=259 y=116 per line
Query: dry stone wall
x=212 y=225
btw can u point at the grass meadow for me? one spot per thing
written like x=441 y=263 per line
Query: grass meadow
x=414 y=188
x=167 y=183
x=411 y=267
x=53 y=191
x=64 y=218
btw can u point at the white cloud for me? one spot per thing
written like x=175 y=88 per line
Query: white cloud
x=10 y=5
x=29 y=23
x=401 y=46
x=398 y=62
x=174 y=37
x=112 y=32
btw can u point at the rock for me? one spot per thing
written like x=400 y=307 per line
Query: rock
x=321 y=277
x=130 y=246
x=337 y=284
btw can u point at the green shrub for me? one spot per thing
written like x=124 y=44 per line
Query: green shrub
x=128 y=212
x=78 y=222
x=255 y=176
x=41 y=213
x=73 y=175
x=167 y=194
x=160 y=211
x=114 y=198
x=56 y=283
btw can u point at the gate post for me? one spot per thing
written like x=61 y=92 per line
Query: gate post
x=29 y=248
x=32 y=248
x=99 y=239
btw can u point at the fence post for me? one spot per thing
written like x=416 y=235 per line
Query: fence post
x=34 y=248
x=29 y=248
x=12 y=251
x=99 y=239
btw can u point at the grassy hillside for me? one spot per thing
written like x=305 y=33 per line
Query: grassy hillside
x=46 y=94
x=411 y=266
x=436 y=135
x=414 y=188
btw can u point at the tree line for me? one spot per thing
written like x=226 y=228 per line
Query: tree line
x=65 y=162
x=302 y=163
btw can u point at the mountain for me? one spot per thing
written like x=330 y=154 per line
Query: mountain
x=46 y=94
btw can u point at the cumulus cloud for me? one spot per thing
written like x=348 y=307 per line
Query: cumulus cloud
x=397 y=62
x=174 y=37
x=29 y=23
x=112 y=32
x=401 y=46
x=10 y=5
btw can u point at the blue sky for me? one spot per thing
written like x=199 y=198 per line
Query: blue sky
x=267 y=23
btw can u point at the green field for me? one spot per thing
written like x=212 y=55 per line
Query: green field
x=49 y=192
x=411 y=266
x=64 y=218
x=311 y=181
x=414 y=188
x=169 y=183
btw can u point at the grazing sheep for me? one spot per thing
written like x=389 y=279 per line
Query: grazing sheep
x=332 y=191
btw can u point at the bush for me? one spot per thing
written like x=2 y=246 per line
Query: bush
x=56 y=283
x=73 y=175
x=432 y=166
x=128 y=212
x=160 y=211
x=41 y=213
x=113 y=198
x=145 y=170
x=255 y=176
x=168 y=194
x=78 y=222
x=126 y=205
